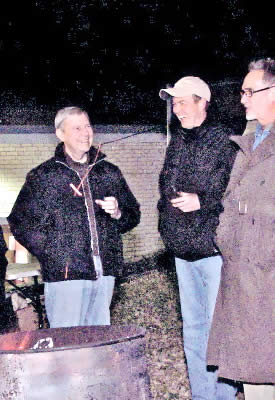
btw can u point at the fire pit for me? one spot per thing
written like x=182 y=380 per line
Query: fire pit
x=79 y=363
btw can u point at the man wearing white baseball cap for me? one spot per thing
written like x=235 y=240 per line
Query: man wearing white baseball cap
x=194 y=177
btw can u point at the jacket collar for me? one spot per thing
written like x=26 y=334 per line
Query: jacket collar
x=263 y=151
x=244 y=142
x=194 y=133
x=60 y=155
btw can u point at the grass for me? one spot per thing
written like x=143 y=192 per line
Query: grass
x=150 y=299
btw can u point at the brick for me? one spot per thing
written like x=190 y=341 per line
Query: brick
x=139 y=162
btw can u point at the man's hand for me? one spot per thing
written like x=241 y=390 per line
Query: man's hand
x=186 y=202
x=110 y=206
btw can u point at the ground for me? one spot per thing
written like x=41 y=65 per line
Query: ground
x=148 y=297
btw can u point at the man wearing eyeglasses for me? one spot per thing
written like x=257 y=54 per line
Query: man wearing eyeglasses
x=241 y=341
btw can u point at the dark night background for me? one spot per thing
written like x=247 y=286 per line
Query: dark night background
x=113 y=56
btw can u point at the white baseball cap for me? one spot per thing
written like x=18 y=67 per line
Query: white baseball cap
x=187 y=86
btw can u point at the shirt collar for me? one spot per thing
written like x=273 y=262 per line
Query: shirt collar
x=260 y=130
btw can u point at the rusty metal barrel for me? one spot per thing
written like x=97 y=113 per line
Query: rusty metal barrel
x=78 y=363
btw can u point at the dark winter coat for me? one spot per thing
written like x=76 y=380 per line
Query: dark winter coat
x=53 y=225
x=241 y=342
x=3 y=260
x=197 y=161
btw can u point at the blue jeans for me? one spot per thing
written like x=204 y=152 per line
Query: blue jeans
x=79 y=302
x=198 y=288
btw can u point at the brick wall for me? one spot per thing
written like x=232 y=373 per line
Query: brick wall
x=140 y=159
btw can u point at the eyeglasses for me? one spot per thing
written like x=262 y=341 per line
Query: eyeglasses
x=250 y=92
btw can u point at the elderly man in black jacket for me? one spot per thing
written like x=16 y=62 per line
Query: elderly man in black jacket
x=70 y=214
x=193 y=179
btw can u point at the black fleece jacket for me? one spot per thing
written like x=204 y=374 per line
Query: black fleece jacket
x=3 y=260
x=53 y=225
x=197 y=161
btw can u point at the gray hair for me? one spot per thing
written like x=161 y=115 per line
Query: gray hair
x=65 y=112
x=268 y=66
